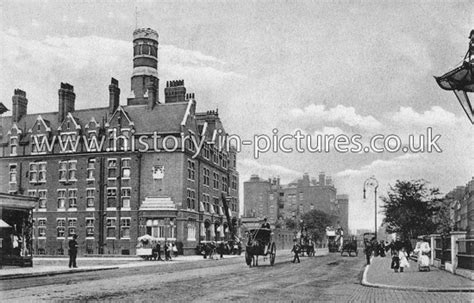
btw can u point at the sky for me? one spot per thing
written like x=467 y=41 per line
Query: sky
x=321 y=67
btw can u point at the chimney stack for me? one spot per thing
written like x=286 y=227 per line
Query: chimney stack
x=175 y=91
x=322 y=179
x=67 y=100
x=20 y=104
x=114 y=95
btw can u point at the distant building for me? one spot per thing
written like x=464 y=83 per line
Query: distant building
x=269 y=198
x=461 y=201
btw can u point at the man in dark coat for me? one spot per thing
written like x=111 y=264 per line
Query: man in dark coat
x=296 y=249
x=73 y=252
x=367 y=250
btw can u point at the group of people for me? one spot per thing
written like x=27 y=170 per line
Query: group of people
x=400 y=252
x=168 y=249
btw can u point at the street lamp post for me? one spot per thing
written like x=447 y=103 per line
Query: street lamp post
x=372 y=182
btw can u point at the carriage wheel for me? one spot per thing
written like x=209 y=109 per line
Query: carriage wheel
x=248 y=259
x=272 y=254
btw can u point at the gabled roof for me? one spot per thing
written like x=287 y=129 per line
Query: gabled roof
x=45 y=123
x=163 y=118
x=120 y=111
x=76 y=121
x=15 y=126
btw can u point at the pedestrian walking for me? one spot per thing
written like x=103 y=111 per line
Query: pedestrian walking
x=367 y=251
x=167 y=252
x=221 y=249
x=174 y=248
x=403 y=257
x=395 y=265
x=158 y=251
x=296 y=249
x=73 y=251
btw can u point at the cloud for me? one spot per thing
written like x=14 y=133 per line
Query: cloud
x=434 y=116
x=248 y=167
x=339 y=113
x=35 y=23
x=88 y=62
x=80 y=20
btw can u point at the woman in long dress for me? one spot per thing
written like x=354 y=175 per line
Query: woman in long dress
x=403 y=256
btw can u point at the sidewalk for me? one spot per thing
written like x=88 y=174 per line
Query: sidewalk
x=379 y=274
x=57 y=266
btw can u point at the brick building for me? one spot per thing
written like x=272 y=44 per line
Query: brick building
x=112 y=174
x=271 y=199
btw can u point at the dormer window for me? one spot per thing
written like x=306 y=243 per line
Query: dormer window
x=39 y=144
x=12 y=173
x=13 y=146
x=38 y=127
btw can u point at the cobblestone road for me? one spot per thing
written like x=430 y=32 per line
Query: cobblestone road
x=319 y=279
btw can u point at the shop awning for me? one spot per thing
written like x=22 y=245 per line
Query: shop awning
x=4 y=224
x=17 y=202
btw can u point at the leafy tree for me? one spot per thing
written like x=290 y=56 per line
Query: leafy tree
x=413 y=209
x=315 y=223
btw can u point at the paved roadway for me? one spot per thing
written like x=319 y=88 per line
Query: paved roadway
x=318 y=279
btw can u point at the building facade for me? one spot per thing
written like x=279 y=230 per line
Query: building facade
x=461 y=200
x=271 y=199
x=115 y=173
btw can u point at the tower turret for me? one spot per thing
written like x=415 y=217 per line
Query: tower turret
x=145 y=68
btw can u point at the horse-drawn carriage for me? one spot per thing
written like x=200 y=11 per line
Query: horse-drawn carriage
x=307 y=247
x=349 y=246
x=260 y=243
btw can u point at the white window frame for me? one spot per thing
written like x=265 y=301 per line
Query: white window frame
x=14 y=144
x=123 y=167
x=90 y=169
x=45 y=199
x=30 y=171
x=10 y=172
x=42 y=171
x=34 y=148
x=70 y=169
x=87 y=226
x=109 y=160
x=107 y=227
x=122 y=196
x=123 y=227
x=69 y=198
x=107 y=202
x=206 y=176
x=64 y=197
x=90 y=197
x=63 y=226
x=69 y=226
x=191 y=170
x=42 y=227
